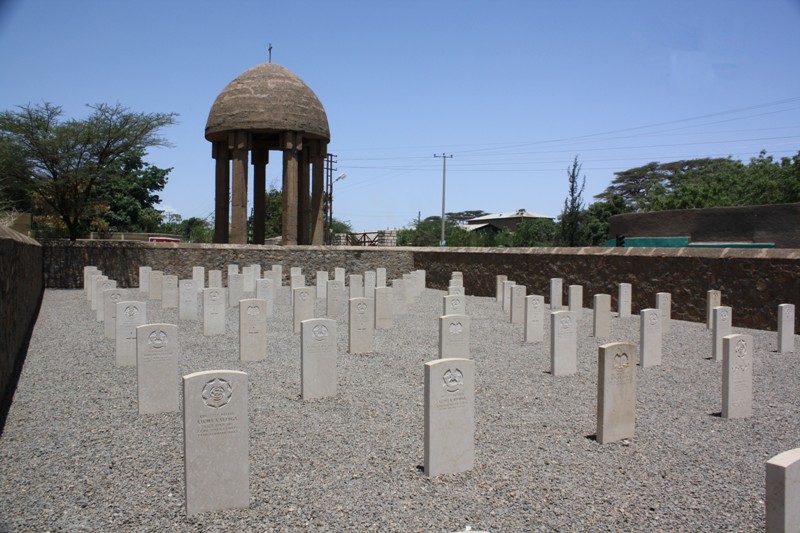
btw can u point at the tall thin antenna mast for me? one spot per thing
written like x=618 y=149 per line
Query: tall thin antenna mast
x=444 y=157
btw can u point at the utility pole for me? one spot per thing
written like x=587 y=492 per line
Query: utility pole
x=330 y=168
x=444 y=176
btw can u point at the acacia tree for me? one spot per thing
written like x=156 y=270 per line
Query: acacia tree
x=66 y=159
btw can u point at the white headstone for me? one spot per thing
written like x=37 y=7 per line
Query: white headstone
x=399 y=296
x=499 y=279
x=248 y=279
x=713 y=299
x=318 y=374
x=517 y=306
x=335 y=301
x=664 y=306
x=235 y=289
x=453 y=336
x=93 y=277
x=321 y=284
x=199 y=278
x=214 y=309
x=157 y=356
x=649 y=337
x=295 y=271
x=144 y=279
x=99 y=284
x=783 y=492
x=380 y=278
x=370 y=280
x=187 y=308
x=216 y=441
x=449 y=429
x=361 y=318
x=384 y=308
x=156 y=283
x=338 y=274
x=303 y=306
x=256 y=272
x=575 y=300
x=295 y=282
x=601 y=322
x=722 y=323
x=265 y=291
x=786 y=328
x=456 y=282
x=563 y=343
x=215 y=279
x=169 y=292
x=455 y=289
x=453 y=304
x=130 y=315
x=356 y=284
x=624 y=297
x=277 y=272
x=737 y=376
x=534 y=318
x=252 y=330
x=87 y=271
x=556 y=294
x=111 y=298
x=100 y=288
x=232 y=269
x=616 y=392
x=507 y=295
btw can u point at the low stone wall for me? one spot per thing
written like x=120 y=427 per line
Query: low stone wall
x=753 y=281
x=21 y=287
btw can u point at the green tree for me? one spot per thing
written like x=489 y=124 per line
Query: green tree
x=196 y=229
x=597 y=218
x=535 y=232
x=571 y=230
x=66 y=159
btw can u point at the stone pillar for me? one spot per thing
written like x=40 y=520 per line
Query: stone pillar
x=238 y=142
x=303 y=192
x=317 y=189
x=221 y=155
x=260 y=158
x=291 y=143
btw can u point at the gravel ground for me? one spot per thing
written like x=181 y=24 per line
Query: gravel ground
x=75 y=455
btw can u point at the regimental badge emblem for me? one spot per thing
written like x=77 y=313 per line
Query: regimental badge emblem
x=453 y=380
x=157 y=339
x=131 y=311
x=456 y=328
x=653 y=319
x=115 y=297
x=566 y=322
x=361 y=308
x=723 y=315
x=455 y=303
x=621 y=361
x=741 y=348
x=304 y=295
x=217 y=393
x=253 y=310
x=214 y=296
x=320 y=332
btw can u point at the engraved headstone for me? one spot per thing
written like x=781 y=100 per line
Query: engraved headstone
x=111 y=298
x=356 y=283
x=157 y=356
x=339 y=274
x=252 y=330
x=335 y=301
x=318 y=375
x=616 y=392
x=575 y=300
x=216 y=441
x=563 y=343
x=102 y=286
x=518 y=304
x=369 y=284
x=601 y=320
x=499 y=280
x=664 y=306
x=214 y=309
x=737 y=376
x=295 y=271
x=215 y=279
x=713 y=299
x=144 y=279
x=783 y=492
x=722 y=323
x=624 y=297
x=456 y=282
x=361 y=322
x=99 y=284
x=199 y=278
x=265 y=291
x=256 y=273
x=232 y=269
x=248 y=279
x=277 y=272
x=649 y=337
x=786 y=328
x=453 y=336
x=384 y=308
x=399 y=295
x=235 y=289
x=534 y=318
x=456 y=290
x=88 y=271
x=93 y=277
x=453 y=304
x=295 y=282
x=130 y=315
x=556 y=294
x=321 y=284
x=303 y=306
x=156 y=283
x=449 y=408
x=507 y=295
x=380 y=277
x=169 y=292
x=187 y=291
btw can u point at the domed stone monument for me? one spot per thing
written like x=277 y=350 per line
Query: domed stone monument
x=268 y=108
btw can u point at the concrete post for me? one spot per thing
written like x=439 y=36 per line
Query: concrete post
x=240 y=146
x=291 y=142
x=221 y=155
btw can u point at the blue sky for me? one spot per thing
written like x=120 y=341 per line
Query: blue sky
x=514 y=90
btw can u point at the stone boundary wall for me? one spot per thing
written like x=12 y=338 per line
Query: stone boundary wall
x=752 y=224
x=753 y=281
x=21 y=288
